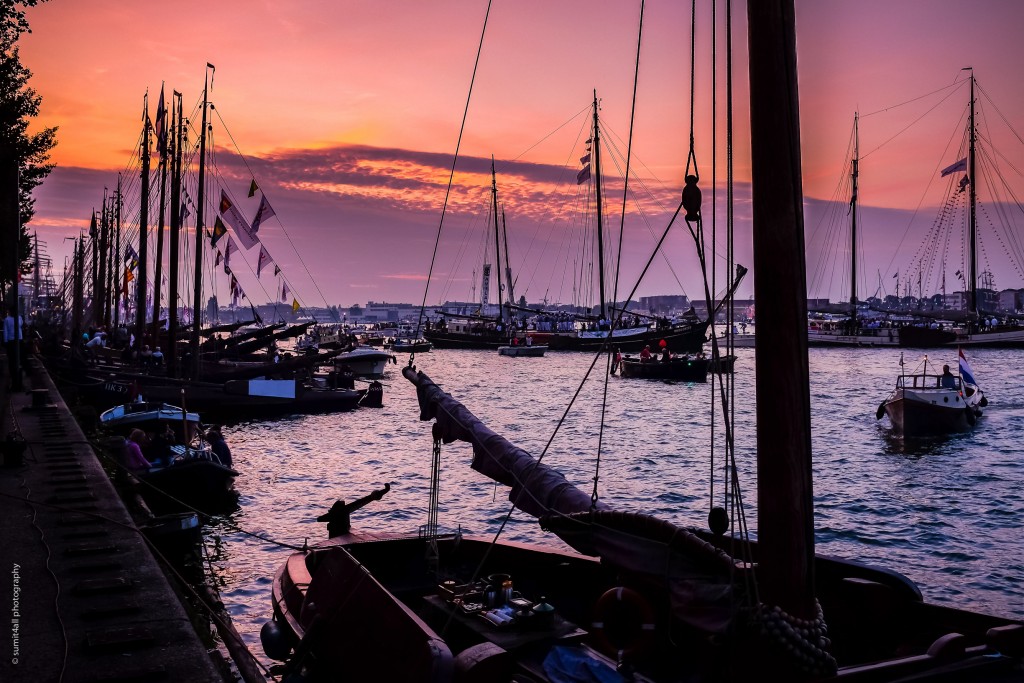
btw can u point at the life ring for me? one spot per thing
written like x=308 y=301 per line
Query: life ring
x=623 y=622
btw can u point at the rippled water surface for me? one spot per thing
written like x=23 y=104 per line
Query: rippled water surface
x=946 y=512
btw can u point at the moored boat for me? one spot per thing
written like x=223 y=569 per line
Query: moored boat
x=365 y=361
x=523 y=350
x=185 y=469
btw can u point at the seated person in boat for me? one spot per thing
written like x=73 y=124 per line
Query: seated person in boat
x=132 y=456
x=159 y=449
x=666 y=355
x=948 y=380
x=219 y=445
x=146 y=356
x=645 y=355
x=157 y=358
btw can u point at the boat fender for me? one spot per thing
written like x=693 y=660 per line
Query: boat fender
x=623 y=622
x=718 y=520
x=691 y=199
x=275 y=642
x=983 y=402
x=881 y=411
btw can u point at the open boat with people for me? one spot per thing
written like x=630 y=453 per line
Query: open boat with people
x=639 y=598
x=185 y=470
x=929 y=404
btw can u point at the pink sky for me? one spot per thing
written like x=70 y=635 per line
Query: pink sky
x=348 y=113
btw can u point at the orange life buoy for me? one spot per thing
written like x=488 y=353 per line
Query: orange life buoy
x=623 y=622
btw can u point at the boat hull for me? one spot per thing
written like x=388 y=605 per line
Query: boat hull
x=915 y=415
x=678 y=369
x=522 y=351
x=387 y=610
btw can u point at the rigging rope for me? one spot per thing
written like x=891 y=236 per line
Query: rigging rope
x=455 y=159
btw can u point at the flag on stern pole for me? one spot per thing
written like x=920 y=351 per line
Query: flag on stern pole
x=263 y=260
x=264 y=212
x=965 y=370
x=953 y=168
x=234 y=218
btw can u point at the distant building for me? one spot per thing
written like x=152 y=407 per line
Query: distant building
x=1011 y=300
x=664 y=304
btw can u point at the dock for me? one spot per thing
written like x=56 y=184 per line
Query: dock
x=83 y=598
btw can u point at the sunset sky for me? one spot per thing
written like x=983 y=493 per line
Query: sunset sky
x=347 y=114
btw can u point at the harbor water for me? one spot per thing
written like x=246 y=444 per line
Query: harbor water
x=947 y=512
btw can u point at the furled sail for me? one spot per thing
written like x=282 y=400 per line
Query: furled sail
x=696 y=576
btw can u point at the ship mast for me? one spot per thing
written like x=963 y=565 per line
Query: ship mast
x=784 y=485
x=972 y=176
x=175 y=235
x=140 y=282
x=197 y=294
x=853 y=219
x=497 y=240
x=597 y=191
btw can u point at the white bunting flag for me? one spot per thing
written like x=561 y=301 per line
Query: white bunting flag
x=234 y=218
x=263 y=260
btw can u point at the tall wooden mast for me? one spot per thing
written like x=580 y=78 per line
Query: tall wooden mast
x=855 y=175
x=173 y=247
x=600 y=211
x=158 y=261
x=972 y=182
x=497 y=241
x=784 y=488
x=140 y=280
x=197 y=293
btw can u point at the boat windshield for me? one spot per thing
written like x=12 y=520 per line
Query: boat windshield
x=927 y=382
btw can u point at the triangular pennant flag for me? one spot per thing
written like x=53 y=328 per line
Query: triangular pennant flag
x=129 y=276
x=183 y=214
x=295 y=305
x=264 y=259
x=277 y=270
x=284 y=291
x=229 y=248
x=219 y=230
x=217 y=259
x=264 y=212
x=161 y=125
x=253 y=187
x=129 y=253
x=237 y=221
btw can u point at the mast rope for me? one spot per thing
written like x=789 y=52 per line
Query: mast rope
x=455 y=159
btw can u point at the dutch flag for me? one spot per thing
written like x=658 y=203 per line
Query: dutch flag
x=965 y=370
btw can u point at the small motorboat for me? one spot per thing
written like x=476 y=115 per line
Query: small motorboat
x=411 y=346
x=679 y=368
x=525 y=350
x=931 y=404
x=365 y=361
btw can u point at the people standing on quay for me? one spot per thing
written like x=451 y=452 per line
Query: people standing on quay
x=14 y=333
